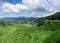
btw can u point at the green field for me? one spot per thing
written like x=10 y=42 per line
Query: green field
x=25 y=33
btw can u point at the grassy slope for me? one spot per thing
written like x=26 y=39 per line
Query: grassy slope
x=22 y=35
x=28 y=34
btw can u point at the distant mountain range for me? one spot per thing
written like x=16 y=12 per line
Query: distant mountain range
x=53 y=16
x=17 y=18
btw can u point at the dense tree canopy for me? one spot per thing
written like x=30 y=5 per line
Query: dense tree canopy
x=55 y=16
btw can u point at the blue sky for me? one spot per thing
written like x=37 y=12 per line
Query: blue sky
x=28 y=8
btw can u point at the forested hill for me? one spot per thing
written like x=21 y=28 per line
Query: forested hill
x=55 y=16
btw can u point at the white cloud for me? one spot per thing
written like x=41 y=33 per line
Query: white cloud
x=31 y=8
x=7 y=7
x=35 y=4
x=28 y=4
x=55 y=4
x=21 y=6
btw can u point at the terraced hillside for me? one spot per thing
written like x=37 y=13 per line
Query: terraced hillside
x=47 y=33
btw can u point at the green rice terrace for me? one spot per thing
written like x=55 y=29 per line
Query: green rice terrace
x=49 y=32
